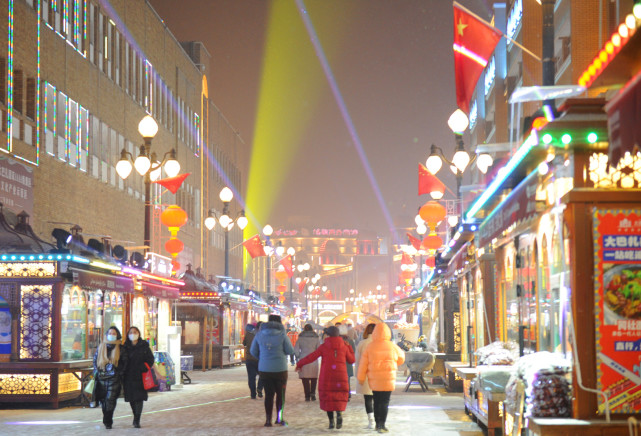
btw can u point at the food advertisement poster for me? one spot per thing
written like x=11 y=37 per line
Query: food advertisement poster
x=617 y=285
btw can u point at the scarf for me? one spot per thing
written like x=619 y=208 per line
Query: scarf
x=104 y=357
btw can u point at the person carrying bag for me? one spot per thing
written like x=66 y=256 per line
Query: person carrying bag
x=109 y=363
x=138 y=375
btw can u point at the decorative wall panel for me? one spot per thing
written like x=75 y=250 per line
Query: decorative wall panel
x=35 y=333
x=25 y=384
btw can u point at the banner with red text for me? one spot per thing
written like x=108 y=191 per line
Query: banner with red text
x=617 y=286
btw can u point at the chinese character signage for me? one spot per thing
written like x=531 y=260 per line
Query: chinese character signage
x=617 y=284
x=16 y=186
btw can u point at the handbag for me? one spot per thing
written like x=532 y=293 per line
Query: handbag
x=91 y=386
x=148 y=379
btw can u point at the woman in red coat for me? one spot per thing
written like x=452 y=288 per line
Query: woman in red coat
x=333 y=384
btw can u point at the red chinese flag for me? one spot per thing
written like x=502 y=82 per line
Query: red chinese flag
x=416 y=243
x=287 y=264
x=406 y=259
x=474 y=42
x=301 y=285
x=254 y=247
x=428 y=182
x=172 y=183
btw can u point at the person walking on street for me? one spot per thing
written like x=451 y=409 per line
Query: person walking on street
x=378 y=364
x=251 y=363
x=363 y=388
x=333 y=387
x=138 y=354
x=109 y=363
x=308 y=341
x=292 y=334
x=271 y=346
x=342 y=328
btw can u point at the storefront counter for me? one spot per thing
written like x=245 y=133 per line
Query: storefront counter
x=573 y=427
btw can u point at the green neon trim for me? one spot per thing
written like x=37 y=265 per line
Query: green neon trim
x=520 y=154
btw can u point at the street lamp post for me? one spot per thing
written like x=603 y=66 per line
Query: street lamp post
x=267 y=231
x=461 y=160
x=147 y=166
x=227 y=223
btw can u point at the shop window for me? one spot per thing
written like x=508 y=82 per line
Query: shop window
x=113 y=310
x=31 y=98
x=3 y=80
x=18 y=90
x=94 y=321
x=5 y=330
x=151 y=323
x=73 y=325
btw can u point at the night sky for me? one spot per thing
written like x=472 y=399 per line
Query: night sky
x=392 y=62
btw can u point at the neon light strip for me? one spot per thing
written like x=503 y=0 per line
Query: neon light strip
x=66 y=127
x=133 y=271
x=148 y=75
x=38 y=90
x=87 y=140
x=55 y=119
x=197 y=133
x=23 y=257
x=84 y=27
x=470 y=54
x=76 y=22
x=65 y=16
x=78 y=133
x=525 y=148
x=10 y=78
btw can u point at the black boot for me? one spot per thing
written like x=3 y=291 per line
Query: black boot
x=137 y=413
x=339 y=420
x=330 y=415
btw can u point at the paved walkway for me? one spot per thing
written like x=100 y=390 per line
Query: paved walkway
x=217 y=403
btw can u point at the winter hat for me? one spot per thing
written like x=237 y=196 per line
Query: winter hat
x=332 y=331
x=274 y=318
x=342 y=330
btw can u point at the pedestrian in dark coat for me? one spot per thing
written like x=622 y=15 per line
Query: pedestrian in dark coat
x=251 y=363
x=307 y=343
x=109 y=363
x=272 y=346
x=333 y=385
x=138 y=354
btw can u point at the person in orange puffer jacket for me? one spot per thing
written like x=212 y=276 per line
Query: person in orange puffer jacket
x=379 y=363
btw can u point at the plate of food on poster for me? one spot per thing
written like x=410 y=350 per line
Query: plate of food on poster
x=622 y=293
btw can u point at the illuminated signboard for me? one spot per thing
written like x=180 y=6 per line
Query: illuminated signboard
x=514 y=19
x=473 y=115
x=490 y=73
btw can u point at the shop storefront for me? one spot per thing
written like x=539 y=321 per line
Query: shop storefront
x=53 y=303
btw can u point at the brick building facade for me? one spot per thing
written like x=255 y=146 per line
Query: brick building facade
x=76 y=78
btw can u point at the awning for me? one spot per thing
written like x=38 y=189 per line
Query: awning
x=103 y=282
x=624 y=128
x=517 y=208
x=160 y=291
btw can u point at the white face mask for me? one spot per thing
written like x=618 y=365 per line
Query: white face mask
x=133 y=337
x=111 y=338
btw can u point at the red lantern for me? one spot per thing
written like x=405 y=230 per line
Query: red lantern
x=281 y=298
x=432 y=213
x=407 y=274
x=174 y=246
x=432 y=242
x=174 y=218
x=431 y=262
x=175 y=266
x=281 y=288
x=281 y=275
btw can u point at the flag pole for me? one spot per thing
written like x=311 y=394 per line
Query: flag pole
x=516 y=43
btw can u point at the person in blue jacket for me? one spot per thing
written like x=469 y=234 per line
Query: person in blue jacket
x=272 y=347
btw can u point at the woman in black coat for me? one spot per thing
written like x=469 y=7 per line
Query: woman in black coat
x=109 y=363
x=138 y=353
